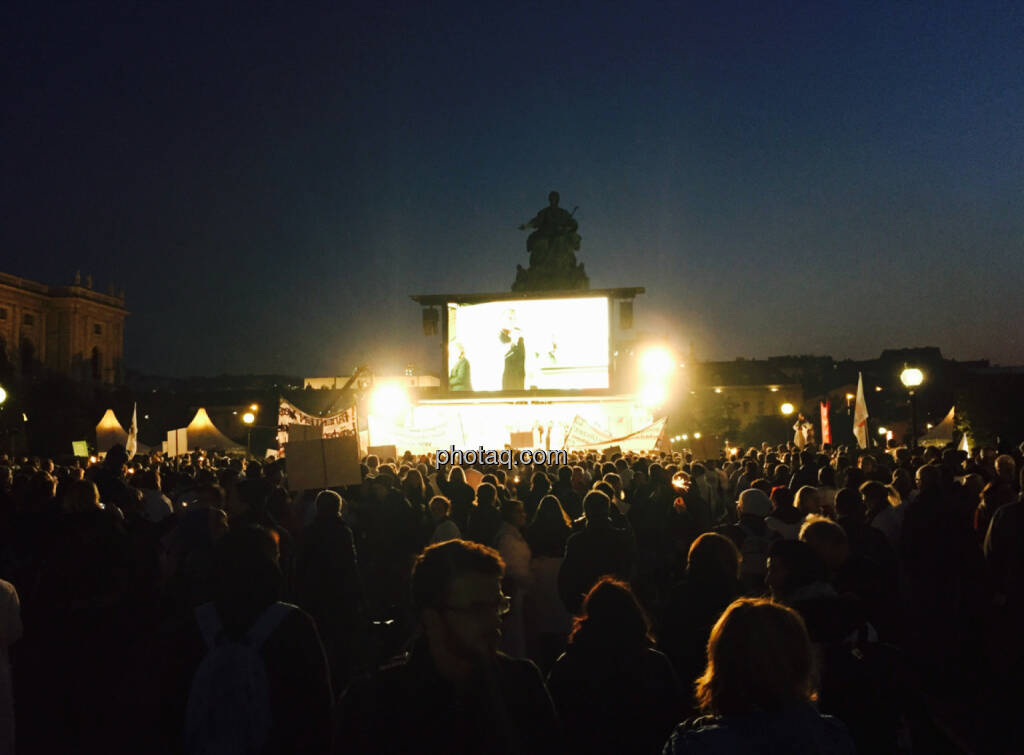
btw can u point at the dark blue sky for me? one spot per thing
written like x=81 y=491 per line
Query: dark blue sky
x=270 y=183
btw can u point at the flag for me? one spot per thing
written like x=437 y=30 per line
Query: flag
x=132 y=444
x=860 y=415
x=826 y=427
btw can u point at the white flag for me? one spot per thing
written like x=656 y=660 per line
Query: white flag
x=860 y=415
x=132 y=444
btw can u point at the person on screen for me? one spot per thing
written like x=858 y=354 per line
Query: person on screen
x=514 y=376
x=459 y=379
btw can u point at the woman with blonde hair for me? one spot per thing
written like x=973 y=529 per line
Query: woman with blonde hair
x=757 y=689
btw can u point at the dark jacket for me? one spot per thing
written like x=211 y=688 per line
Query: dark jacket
x=798 y=731
x=411 y=708
x=612 y=700
x=589 y=555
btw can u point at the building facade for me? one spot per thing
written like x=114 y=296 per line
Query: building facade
x=72 y=330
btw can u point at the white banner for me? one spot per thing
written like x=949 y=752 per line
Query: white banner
x=335 y=426
x=584 y=436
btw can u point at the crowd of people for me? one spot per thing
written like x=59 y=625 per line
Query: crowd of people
x=823 y=600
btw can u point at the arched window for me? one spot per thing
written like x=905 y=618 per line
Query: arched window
x=97 y=364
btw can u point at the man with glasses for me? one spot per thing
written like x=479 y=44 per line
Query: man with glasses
x=453 y=692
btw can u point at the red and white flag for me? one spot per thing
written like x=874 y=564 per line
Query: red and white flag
x=826 y=427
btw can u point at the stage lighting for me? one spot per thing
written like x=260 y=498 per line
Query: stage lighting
x=389 y=401
x=653 y=394
x=656 y=362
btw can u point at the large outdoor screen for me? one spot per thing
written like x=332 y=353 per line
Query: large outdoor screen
x=523 y=345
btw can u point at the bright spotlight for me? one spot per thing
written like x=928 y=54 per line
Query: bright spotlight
x=657 y=362
x=248 y=418
x=653 y=394
x=389 y=401
x=883 y=430
x=787 y=409
x=911 y=377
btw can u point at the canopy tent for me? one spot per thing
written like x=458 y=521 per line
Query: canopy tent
x=109 y=432
x=202 y=433
x=942 y=433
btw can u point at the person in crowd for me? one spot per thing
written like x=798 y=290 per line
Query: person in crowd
x=752 y=537
x=10 y=632
x=454 y=692
x=563 y=489
x=785 y=518
x=758 y=695
x=710 y=584
x=443 y=526
x=593 y=552
x=515 y=552
x=806 y=473
x=293 y=700
x=461 y=495
x=546 y=619
x=540 y=486
x=613 y=691
x=485 y=518
x=328 y=586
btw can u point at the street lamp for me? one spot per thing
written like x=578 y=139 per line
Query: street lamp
x=3 y=394
x=787 y=409
x=248 y=418
x=911 y=377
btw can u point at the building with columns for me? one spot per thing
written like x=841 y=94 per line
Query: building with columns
x=72 y=330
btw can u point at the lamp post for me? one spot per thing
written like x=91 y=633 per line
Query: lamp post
x=248 y=418
x=911 y=377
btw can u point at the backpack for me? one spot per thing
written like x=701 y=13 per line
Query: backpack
x=228 y=710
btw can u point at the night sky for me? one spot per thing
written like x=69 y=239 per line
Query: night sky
x=270 y=183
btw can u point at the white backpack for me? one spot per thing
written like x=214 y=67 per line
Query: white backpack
x=228 y=710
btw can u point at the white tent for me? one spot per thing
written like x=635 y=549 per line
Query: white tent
x=942 y=433
x=109 y=432
x=202 y=433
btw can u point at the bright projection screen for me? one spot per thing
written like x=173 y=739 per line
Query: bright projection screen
x=533 y=344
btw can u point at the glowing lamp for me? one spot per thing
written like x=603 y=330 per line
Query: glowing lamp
x=697 y=436
x=686 y=436
x=3 y=394
x=911 y=377
x=656 y=362
x=883 y=431
x=248 y=418
x=653 y=394
x=787 y=409
x=389 y=401
x=254 y=407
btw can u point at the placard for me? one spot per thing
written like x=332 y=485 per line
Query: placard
x=324 y=463
x=521 y=440
x=80 y=448
x=383 y=453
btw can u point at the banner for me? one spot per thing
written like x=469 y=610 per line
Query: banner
x=334 y=426
x=419 y=440
x=645 y=439
x=582 y=434
x=826 y=427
